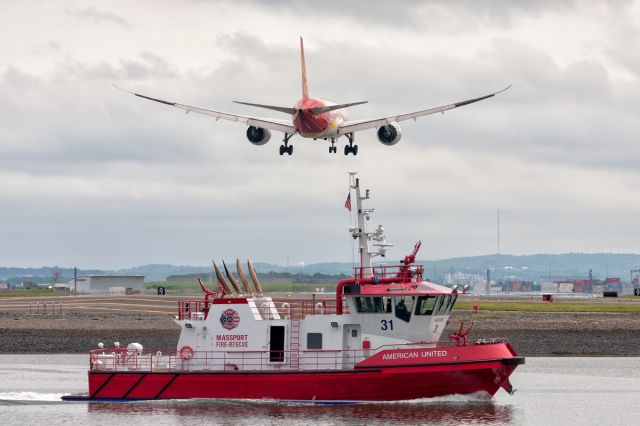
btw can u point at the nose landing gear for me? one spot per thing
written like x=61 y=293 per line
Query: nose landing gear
x=332 y=148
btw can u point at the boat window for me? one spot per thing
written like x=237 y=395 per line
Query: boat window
x=454 y=297
x=444 y=307
x=404 y=306
x=314 y=340
x=436 y=309
x=371 y=305
x=387 y=304
x=425 y=305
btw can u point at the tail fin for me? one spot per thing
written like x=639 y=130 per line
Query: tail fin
x=305 y=89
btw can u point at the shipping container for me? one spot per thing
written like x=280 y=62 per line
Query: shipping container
x=565 y=287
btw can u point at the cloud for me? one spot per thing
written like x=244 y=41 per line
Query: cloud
x=98 y=16
x=427 y=15
x=136 y=181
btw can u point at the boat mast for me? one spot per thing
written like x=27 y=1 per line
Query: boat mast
x=360 y=233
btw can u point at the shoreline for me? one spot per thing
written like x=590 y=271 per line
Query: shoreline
x=530 y=333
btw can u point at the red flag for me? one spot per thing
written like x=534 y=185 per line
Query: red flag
x=347 y=204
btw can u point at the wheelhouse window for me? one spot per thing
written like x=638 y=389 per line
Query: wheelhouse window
x=373 y=304
x=452 y=302
x=436 y=309
x=425 y=305
x=314 y=340
x=444 y=306
x=404 y=307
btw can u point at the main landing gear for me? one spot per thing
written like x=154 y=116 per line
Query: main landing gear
x=348 y=149
x=286 y=147
x=351 y=148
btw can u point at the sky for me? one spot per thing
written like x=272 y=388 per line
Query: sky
x=96 y=178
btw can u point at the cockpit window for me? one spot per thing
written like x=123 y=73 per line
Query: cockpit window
x=404 y=307
x=425 y=305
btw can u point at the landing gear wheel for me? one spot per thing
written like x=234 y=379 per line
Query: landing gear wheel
x=333 y=149
x=351 y=149
x=285 y=147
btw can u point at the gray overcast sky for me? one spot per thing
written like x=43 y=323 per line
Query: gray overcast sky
x=91 y=176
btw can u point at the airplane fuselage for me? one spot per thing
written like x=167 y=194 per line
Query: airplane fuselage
x=324 y=125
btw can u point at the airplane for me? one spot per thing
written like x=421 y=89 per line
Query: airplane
x=316 y=118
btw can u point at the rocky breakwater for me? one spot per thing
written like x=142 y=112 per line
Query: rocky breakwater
x=80 y=332
x=530 y=333
x=558 y=333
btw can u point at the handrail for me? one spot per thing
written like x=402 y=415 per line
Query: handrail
x=195 y=310
x=123 y=359
x=402 y=273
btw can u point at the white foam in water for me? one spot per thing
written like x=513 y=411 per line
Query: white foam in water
x=29 y=396
x=448 y=399
x=476 y=397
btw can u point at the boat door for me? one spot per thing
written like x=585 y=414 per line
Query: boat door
x=204 y=342
x=276 y=343
x=351 y=345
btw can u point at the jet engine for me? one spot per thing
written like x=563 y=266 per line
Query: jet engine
x=389 y=134
x=258 y=135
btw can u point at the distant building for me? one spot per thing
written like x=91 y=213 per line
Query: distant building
x=461 y=279
x=107 y=284
x=516 y=285
x=575 y=285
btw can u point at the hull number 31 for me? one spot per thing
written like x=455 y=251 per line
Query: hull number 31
x=386 y=324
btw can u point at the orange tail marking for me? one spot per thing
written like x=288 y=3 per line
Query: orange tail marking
x=305 y=89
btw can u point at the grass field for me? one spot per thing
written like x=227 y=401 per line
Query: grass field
x=193 y=286
x=626 y=304
x=32 y=292
x=623 y=305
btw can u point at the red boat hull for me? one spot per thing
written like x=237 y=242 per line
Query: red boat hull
x=365 y=383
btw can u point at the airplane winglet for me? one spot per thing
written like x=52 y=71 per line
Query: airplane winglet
x=506 y=88
x=120 y=88
x=470 y=101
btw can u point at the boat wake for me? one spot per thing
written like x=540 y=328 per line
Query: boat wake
x=477 y=397
x=448 y=399
x=25 y=398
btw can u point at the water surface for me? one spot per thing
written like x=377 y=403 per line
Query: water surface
x=578 y=391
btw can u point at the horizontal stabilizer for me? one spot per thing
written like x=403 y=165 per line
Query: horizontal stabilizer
x=320 y=110
x=286 y=110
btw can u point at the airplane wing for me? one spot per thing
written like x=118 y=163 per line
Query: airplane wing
x=352 y=126
x=268 y=123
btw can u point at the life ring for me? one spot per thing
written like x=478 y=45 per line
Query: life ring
x=186 y=353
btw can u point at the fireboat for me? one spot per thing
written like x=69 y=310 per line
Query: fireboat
x=378 y=339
